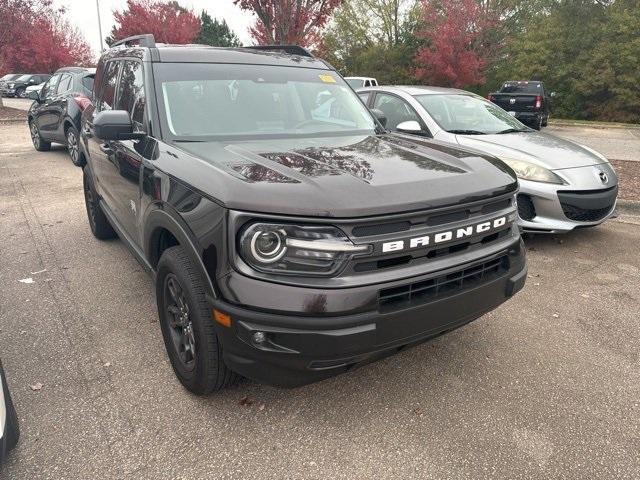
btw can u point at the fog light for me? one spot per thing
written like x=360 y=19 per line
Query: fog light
x=259 y=337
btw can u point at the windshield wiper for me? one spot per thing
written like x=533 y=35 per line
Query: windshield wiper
x=513 y=130
x=467 y=132
x=185 y=140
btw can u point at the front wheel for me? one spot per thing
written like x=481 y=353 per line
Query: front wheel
x=38 y=143
x=187 y=327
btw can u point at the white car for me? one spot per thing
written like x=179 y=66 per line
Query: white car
x=34 y=88
x=360 y=82
x=563 y=185
x=9 y=428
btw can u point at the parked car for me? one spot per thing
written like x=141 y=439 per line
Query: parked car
x=287 y=244
x=17 y=87
x=563 y=185
x=34 y=88
x=9 y=427
x=55 y=114
x=7 y=78
x=526 y=100
x=359 y=82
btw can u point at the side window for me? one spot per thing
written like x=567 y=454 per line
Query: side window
x=367 y=83
x=49 y=90
x=65 y=83
x=395 y=109
x=374 y=83
x=109 y=82
x=131 y=92
x=364 y=96
x=87 y=83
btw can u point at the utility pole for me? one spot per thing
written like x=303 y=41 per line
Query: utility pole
x=99 y=25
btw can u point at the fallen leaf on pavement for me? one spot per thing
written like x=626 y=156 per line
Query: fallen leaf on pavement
x=245 y=401
x=36 y=386
x=26 y=280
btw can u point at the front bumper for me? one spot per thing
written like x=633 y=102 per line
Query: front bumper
x=585 y=200
x=301 y=348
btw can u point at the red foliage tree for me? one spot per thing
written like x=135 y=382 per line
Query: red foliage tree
x=35 y=38
x=289 y=22
x=458 y=46
x=167 y=21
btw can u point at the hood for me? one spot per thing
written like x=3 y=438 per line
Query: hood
x=546 y=150
x=338 y=176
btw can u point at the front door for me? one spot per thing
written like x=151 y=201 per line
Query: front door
x=45 y=117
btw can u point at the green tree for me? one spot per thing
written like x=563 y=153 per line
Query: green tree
x=215 y=33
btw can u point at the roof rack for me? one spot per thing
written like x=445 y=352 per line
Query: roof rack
x=145 y=40
x=290 y=49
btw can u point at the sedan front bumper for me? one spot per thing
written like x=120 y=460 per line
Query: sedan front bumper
x=587 y=199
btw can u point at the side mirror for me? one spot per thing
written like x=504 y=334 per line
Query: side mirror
x=32 y=81
x=380 y=116
x=115 y=125
x=410 y=126
x=34 y=95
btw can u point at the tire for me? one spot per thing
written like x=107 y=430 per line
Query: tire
x=537 y=124
x=38 y=143
x=546 y=120
x=21 y=93
x=12 y=427
x=73 y=147
x=98 y=222
x=189 y=334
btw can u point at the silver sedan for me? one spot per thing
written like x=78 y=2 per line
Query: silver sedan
x=563 y=185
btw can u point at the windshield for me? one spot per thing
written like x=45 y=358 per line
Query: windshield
x=23 y=78
x=218 y=101
x=521 y=87
x=354 y=82
x=10 y=76
x=460 y=113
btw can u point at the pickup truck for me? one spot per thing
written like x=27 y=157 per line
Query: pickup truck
x=526 y=100
x=290 y=236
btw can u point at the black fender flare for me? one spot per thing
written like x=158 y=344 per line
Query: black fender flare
x=163 y=217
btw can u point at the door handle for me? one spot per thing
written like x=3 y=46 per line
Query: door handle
x=106 y=148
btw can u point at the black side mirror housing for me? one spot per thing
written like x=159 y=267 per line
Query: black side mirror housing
x=380 y=116
x=34 y=95
x=115 y=125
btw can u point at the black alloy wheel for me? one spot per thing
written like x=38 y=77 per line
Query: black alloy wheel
x=38 y=143
x=73 y=146
x=179 y=324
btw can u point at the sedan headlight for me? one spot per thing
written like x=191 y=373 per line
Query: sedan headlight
x=11 y=85
x=530 y=171
x=296 y=249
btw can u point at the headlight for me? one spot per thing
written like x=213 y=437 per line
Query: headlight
x=530 y=171
x=11 y=85
x=296 y=249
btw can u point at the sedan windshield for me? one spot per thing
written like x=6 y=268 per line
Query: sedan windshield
x=469 y=114
x=9 y=76
x=217 y=101
x=23 y=78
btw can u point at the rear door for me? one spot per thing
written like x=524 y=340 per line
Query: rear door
x=100 y=150
x=58 y=106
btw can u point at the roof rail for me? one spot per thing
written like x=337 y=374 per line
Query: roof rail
x=290 y=49
x=145 y=40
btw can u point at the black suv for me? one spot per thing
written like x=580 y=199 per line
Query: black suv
x=16 y=87
x=55 y=114
x=290 y=236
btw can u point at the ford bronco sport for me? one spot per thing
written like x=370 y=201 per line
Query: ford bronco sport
x=290 y=236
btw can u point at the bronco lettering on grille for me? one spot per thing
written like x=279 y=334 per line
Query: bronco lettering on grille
x=445 y=236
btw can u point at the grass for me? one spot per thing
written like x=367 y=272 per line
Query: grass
x=591 y=123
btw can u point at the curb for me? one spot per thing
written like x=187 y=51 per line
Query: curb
x=628 y=207
x=12 y=120
x=560 y=123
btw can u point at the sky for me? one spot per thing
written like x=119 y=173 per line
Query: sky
x=83 y=14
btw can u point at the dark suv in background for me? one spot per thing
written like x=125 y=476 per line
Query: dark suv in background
x=16 y=87
x=55 y=114
x=290 y=236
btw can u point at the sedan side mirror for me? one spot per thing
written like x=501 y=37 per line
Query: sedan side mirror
x=380 y=116
x=409 y=126
x=115 y=125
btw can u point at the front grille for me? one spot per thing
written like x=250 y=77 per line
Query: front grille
x=585 y=215
x=526 y=209
x=442 y=286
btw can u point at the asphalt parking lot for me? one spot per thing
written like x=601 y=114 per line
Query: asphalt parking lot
x=546 y=386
